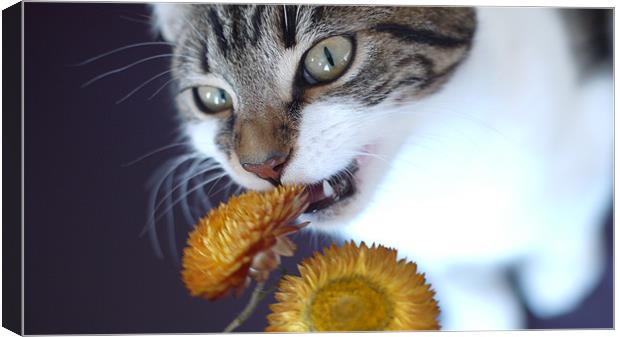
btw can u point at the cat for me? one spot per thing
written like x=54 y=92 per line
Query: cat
x=469 y=139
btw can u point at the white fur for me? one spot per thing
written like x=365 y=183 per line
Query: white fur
x=509 y=165
x=166 y=19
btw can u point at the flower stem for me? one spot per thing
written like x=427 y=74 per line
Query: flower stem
x=257 y=295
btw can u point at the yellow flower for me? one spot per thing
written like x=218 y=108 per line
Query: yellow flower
x=354 y=289
x=241 y=239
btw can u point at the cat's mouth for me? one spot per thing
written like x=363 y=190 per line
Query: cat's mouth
x=333 y=189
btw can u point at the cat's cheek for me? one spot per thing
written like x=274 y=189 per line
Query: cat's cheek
x=202 y=137
x=327 y=142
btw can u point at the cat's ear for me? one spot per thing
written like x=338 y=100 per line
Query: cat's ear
x=167 y=19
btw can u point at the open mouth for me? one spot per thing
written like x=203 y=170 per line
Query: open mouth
x=333 y=189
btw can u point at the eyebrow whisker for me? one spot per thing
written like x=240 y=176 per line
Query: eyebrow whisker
x=143 y=85
x=114 y=51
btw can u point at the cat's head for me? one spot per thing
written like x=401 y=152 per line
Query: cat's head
x=306 y=94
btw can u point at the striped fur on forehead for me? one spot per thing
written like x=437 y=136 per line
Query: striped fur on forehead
x=413 y=47
x=401 y=53
x=410 y=51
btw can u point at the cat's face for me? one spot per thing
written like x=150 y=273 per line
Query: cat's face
x=306 y=94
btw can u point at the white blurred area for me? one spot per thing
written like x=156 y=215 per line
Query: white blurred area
x=508 y=172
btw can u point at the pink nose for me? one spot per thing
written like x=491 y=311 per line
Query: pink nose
x=270 y=169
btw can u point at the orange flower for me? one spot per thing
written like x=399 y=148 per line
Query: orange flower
x=352 y=288
x=241 y=239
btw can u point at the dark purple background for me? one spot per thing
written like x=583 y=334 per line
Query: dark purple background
x=86 y=268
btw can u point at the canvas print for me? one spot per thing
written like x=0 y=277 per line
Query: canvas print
x=204 y=168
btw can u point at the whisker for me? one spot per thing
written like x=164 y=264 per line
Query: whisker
x=179 y=136
x=205 y=201
x=172 y=246
x=371 y=155
x=163 y=148
x=152 y=231
x=228 y=186
x=157 y=180
x=135 y=20
x=315 y=241
x=134 y=45
x=366 y=154
x=118 y=70
x=212 y=186
x=183 y=189
x=143 y=85
x=161 y=88
x=201 y=185
x=146 y=16
x=210 y=168
x=218 y=190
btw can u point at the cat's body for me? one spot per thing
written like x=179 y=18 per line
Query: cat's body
x=508 y=166
x=496 y=156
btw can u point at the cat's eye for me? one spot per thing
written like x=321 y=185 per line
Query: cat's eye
x=328 y=59
x=211 y=100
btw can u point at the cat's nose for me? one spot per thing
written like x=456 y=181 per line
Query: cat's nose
x=270 y=169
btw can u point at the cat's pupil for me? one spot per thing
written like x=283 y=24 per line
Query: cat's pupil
x=328 y=55
x=210 y=99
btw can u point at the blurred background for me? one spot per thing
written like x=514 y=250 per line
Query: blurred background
x=87 y=268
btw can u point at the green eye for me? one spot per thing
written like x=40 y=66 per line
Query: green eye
x=211 y=100
x=328 y=59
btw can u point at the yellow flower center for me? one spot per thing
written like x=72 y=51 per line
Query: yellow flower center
x=350 y=304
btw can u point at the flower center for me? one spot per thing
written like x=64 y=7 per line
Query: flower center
x=350 y=304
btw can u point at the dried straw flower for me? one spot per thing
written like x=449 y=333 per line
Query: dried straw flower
x=353 y=288
x=241 y=239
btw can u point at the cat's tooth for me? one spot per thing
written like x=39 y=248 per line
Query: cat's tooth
x=328 y=190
